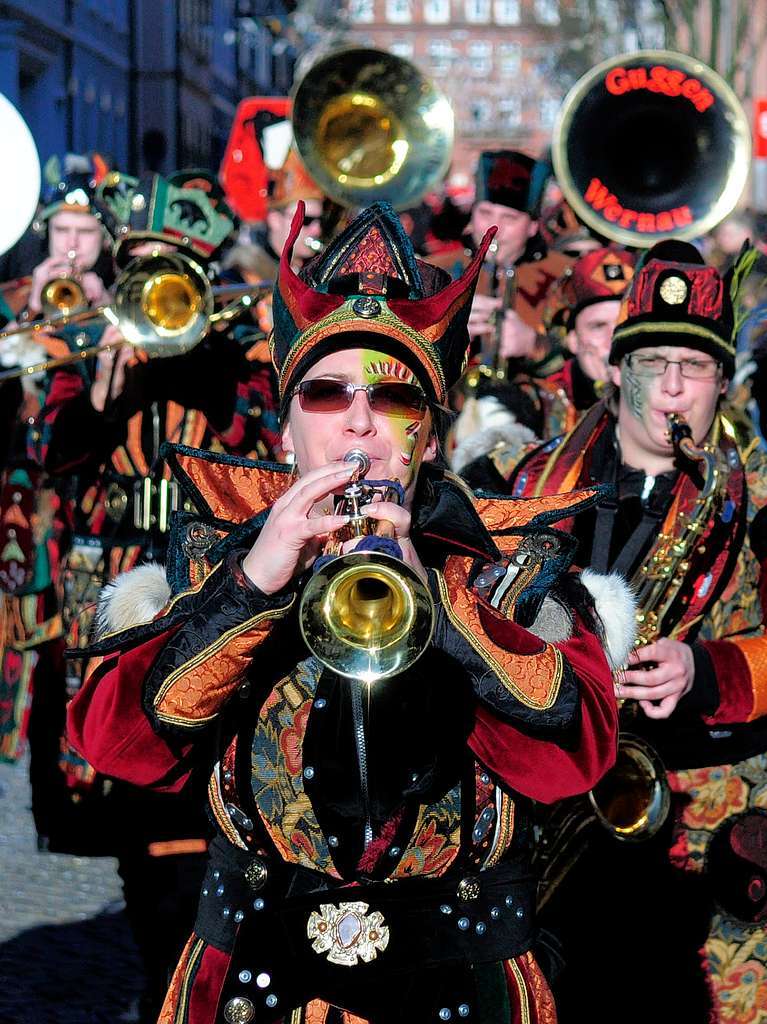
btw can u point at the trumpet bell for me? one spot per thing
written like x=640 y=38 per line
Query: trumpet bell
x=366 y=615
x=632 y=800
x=162 y=304
x=370 y=127
x=62 y=296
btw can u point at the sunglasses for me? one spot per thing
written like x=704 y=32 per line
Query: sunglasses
x=390 y=398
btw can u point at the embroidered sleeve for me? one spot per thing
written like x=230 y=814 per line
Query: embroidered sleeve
x=546 y=716
x=211 y=651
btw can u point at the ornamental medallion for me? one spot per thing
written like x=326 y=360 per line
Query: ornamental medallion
x=347 y=933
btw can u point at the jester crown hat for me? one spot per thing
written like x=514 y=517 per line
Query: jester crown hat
x=71 y=185
x=675 y=299
x=153 y=208
x=369 y=281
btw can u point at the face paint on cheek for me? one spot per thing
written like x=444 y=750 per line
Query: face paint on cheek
x=635 y=390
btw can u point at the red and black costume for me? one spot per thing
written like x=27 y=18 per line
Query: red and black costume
x=302 y=916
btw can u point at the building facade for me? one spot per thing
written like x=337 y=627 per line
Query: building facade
x=505 y=65
x=152 y=84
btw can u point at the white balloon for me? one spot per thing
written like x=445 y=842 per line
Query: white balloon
x=19 y=176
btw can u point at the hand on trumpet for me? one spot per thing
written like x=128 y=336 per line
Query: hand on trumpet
x=517 y=339
x=661 y=672
x=393 y=521
x=111 y=363
x=93 y=286
x=297 y=527
x=50 y=268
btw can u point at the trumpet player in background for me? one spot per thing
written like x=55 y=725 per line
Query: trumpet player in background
x=676 y=922
x=99 y=435
x=513 y=413
x=79 y=244
x=372 y=840
x=506 y=320
x=33 y=509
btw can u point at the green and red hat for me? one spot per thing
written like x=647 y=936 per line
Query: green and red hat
x=153 y=208
x=368 y=281
x=675 y=299
x=598 y=276
x=71 y=185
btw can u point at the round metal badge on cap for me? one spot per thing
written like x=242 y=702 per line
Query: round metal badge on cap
x=366 y=307
x=674 y=290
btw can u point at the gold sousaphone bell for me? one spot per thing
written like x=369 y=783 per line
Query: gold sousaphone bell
x=651 y=145
x=370 y=127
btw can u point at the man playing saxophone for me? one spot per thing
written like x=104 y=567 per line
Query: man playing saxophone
x=699 y=536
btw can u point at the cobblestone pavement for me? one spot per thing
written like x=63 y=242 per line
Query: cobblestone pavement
x=66 y=953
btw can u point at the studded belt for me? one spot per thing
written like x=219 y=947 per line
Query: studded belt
x=305 y=936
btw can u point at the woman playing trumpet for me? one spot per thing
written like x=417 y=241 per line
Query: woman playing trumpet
x=371 y=856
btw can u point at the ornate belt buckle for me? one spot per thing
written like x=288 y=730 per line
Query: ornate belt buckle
x=347 y=933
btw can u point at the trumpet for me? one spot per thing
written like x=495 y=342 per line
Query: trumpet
x=365 y=615
x=64 y=295
x=163 y=304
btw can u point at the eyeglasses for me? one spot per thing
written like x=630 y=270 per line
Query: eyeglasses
x=390 y=398
x=656 y=366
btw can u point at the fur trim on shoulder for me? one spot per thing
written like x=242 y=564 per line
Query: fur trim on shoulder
x=132 y=598
x=484 y=425
x=616 y=607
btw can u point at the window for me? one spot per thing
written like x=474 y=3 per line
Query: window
x=440 y=55
x=510 y=111
x=361 y=10
x=507 y=12
x=478 y=10
x=480 y=57
x=509 y=59
x=402 y=48
x=436 y=11
x=548 y=111
x=480 y=112
x=398 y=10
x=547 y=12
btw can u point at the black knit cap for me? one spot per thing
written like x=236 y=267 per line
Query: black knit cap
x=675 y=299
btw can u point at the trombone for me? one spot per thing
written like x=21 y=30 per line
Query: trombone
x=163 y=304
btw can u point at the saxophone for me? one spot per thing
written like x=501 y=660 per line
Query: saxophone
x=632 y=800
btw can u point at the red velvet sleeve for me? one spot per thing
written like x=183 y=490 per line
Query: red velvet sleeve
x=540 y=768
x=107 y=724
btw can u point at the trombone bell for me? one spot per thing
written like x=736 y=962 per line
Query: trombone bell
x=366 y=615
x=171 y=302
x=163 y=304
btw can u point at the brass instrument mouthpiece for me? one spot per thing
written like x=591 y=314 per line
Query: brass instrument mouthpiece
x=362 y=459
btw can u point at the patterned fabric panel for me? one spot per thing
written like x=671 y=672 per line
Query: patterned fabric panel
x=277 y=771
x=723 y=826
x=436 y=838
x=194 y=692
